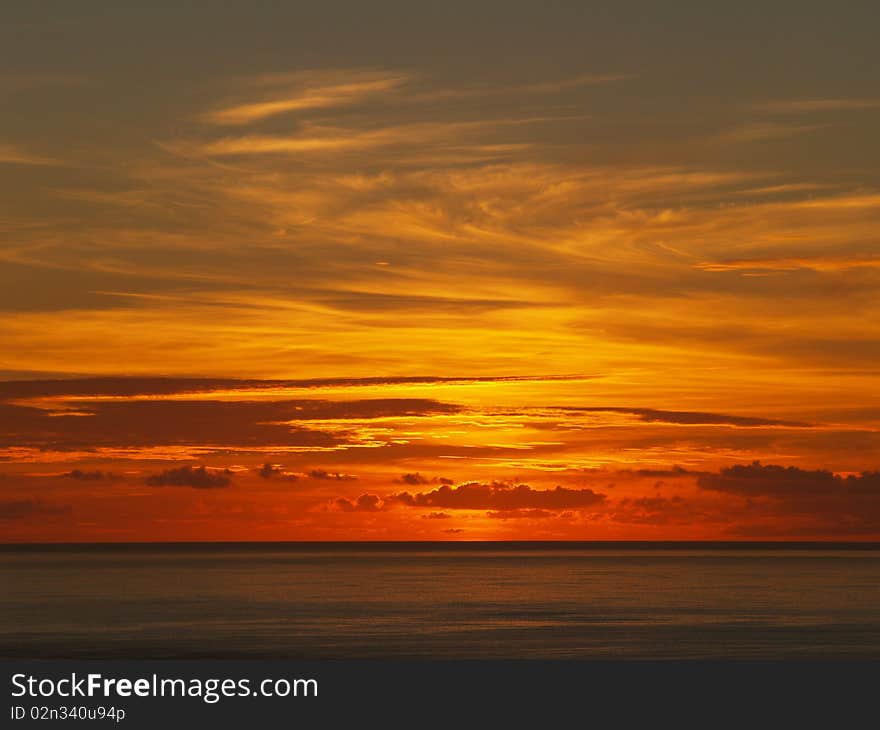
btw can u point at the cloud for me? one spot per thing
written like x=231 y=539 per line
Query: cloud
x=188 y=476
x=12 y=155
x=518 y=91
x=335 y=476
x=652 y=415
x=364 y=503
x=437 y=516
x=412 y=479
x=500 y=496
x=661 y=511
x=322 y=90
x=675 y=471
x=323 y=139
x=521 y=514
x=137 y=386
x=793 y=263
x=148 y=422
x=770 y=480
x=629 y=474
x=455 y=138
x=267 y=471
x=314 y=93
x=274 y=144
x=417 y=479
x=772 y=500
x=26 y=508
x=270 y=471
x=90 y=476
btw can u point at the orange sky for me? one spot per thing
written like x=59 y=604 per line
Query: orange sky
x=535 y=275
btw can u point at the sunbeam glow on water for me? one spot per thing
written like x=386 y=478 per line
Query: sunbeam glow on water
x=434 y=601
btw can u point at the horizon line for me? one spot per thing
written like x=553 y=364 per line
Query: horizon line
x=452 y=544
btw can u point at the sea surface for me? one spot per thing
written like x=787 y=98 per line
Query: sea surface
x=441 y=601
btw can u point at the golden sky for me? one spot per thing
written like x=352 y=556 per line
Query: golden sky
x=478 y=271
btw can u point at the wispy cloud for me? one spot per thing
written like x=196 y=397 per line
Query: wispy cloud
x=705 y=245
x=315 y=138
x=519 y=91
x=15 y=155
x=269 y=144
x=312 y=94
x=815 y=263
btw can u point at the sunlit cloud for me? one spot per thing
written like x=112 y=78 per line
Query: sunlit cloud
x=816 y=263
x=310 y=96
x=268 y=144
x=395 y=303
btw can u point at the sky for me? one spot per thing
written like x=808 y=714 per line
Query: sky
x=447 y=271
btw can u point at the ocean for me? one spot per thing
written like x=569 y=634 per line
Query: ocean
x=441 y=601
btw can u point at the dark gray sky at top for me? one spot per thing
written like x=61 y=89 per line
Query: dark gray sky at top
x=693 y=62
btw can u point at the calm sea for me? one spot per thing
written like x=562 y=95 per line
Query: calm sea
x=541 y=601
